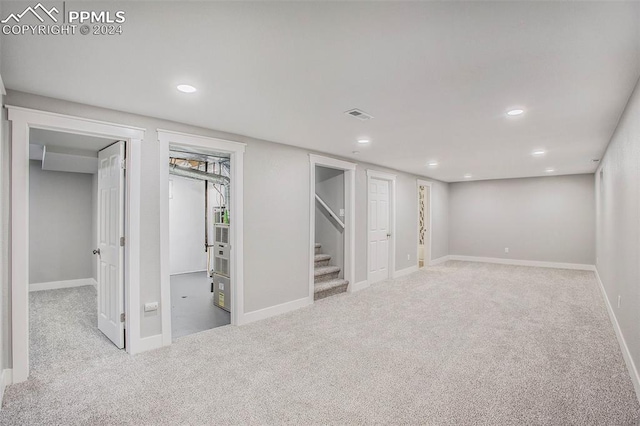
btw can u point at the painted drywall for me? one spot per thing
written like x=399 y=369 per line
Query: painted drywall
x=618 y=223
x=276 y=211
x=543 y=219
x=330 y=188
x=60 y=225
x=186 y=225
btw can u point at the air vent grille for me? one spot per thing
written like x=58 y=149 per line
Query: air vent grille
x=359 y=114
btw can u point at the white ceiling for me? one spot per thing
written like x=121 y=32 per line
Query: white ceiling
x=437 y=76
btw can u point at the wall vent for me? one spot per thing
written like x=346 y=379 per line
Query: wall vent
x=359 y=114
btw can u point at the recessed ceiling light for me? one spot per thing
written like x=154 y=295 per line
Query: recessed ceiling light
x=432 y=163
x=468 y=175
x=538 y=152
x=550 y=170
x=363 y=141
x=185 y=88
x=515 y=112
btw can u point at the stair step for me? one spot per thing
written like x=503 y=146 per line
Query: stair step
x=318 y=245
x=325 y=273
x=329 y=288
x=322 y=260
x=317 y=248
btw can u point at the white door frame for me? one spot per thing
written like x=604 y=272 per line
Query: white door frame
x=24 y=119
x=168 y=138
x=420 y=183
x=374 y=174
x=350 y=216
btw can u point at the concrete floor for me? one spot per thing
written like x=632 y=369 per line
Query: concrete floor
x=192 y=308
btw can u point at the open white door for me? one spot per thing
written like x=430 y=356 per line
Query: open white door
x=379 y=232
x=111 y=243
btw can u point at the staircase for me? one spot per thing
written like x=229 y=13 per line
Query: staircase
x=326 y=277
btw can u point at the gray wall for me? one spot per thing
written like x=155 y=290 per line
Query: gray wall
x=276 y=201
x=330 y=187
x=544 y=218
x=618 y=223
x=60 y=225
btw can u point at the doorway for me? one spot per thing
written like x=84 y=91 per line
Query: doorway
x=381 y=225
x=200 y=221
x=424 y=223
x=76 y=275
x=332 y=226
x=24 y=123
x=217 y=239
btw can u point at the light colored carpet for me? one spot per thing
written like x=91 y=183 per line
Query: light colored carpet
x=63 y=326
x=459 y=344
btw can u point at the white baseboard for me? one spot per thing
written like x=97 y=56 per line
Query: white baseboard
x=439 y=260
x=358 y=286
x=631 y=366
x=6 y=378
x=540 y=264
x=148 y=343
x=53 y=285
x=405 y=271
x=272 y=311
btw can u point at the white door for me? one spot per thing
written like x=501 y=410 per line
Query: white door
x=111 y=250
x=379 y=232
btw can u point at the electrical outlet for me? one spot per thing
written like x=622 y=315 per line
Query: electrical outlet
x=151 y=306
x=506 y=249
x=618 y=301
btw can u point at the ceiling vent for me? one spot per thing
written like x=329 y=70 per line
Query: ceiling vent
x=359 y=114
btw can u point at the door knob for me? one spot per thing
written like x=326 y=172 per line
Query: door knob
x=97 y=251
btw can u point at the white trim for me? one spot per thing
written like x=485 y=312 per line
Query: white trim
x=406 y=271
x=349 y=219
x=626 y=354
x=358 y=286
x=22 y=120
x=3 y=90
x=149 y=343
x=439 y=260
x=332 y=163
x=374 y=174
x=272 y=311
x=6 y=378
x=537 y=263
x=167 y=139
x=54 y=285
x=419 y=183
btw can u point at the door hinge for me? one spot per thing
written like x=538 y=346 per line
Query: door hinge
x=122 y=317
x=121 y=241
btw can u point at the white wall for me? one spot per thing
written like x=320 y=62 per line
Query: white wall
x=60 y=225
x=276 y=211
x=542 y=219
x=186 y=225
x=618 y=224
